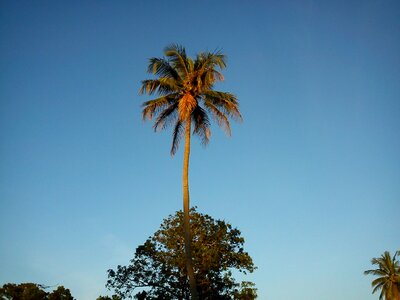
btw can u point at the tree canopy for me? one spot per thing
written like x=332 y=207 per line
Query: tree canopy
x=113 y=297
x=33 y=291
x=388 y=272
x=185 y=90
x=158 y=269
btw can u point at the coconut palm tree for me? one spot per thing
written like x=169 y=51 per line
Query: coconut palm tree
x=185 y=94
x=389 y=276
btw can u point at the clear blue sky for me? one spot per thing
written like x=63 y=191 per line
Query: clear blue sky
x=311 y=177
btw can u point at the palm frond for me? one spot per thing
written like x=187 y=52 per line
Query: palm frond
x=162 y=67
x=218 y=59
x=178 y=58
x=176 y=137
x=377 y=287
x=206 y=72
x=376 y=272
x=380 y=280
x=166 y=117
x=153 y=107
x=189 y=64
x=201 y=125
x=211 y=59
x=226 y=102
x=219 y=117
x=383 y=295
x=213 y=76
x=161 y=86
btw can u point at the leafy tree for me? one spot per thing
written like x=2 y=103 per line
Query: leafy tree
x=114 y=297
x=61 y=293
x=389 y=276
x=158 y=269
x=23 y=291
x=185 y=89
x=33 y=291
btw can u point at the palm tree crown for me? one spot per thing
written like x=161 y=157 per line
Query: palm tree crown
x=185 y=90
x=389 y=276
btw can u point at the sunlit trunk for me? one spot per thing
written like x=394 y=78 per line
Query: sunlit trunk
x=395 y=291
x=186 y=218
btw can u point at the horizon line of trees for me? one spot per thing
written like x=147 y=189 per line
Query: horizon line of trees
x=387 y=281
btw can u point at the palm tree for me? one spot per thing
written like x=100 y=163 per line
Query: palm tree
x=389 y=276
x=185 y=95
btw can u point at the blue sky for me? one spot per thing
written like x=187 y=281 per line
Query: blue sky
x=311 y=177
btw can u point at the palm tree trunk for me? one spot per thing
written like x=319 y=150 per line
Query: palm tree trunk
x=186 y=218
x=395 y=291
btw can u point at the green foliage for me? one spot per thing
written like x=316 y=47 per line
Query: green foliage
x=388 y=272
x=60 y=293
x=185 y=89
x=246 y=292
x=32 y=291
x=158 y=269
x=114 y=297
x=23 y=291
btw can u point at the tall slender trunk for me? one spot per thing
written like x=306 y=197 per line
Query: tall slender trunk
x=186 y=218
x=395 y=291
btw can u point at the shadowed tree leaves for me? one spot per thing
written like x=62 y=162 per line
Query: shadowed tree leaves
x=113 y=297
x=33 y=291
x=158 y=269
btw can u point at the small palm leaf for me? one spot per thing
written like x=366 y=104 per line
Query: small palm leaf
x=178 y=59
x=201 y=125
x=220 y=117
x=165 y=118
x=162 y=67
x=155 y=106
x=177 y=135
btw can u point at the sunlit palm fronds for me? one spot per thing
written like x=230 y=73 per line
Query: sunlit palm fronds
x=185 y=87
x=388 y=281
x=201 y=124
